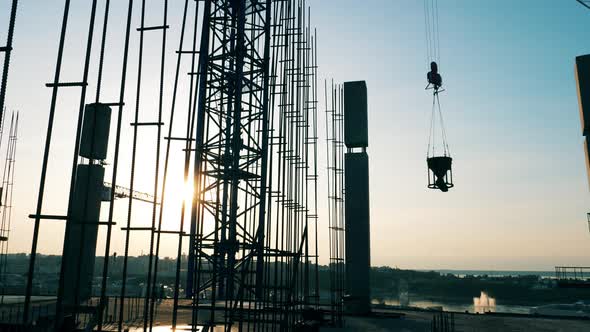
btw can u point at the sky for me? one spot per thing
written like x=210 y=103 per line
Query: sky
x=521 y=194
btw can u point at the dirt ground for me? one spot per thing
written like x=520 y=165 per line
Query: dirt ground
x=417 y=321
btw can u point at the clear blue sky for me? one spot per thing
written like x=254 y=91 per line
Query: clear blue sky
x=521 y=193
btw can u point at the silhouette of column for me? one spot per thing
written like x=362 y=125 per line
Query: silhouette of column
x=582 y=71
x=356 y=199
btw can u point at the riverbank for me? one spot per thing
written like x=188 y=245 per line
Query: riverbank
x=512 y=290
x=418 y=321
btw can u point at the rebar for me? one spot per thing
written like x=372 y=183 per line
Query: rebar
x=6 y=198
x=335 y=171
x=7 y=52
x=251 y=138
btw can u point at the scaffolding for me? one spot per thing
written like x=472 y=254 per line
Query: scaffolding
x=254 y=222
x=248 y=140
x=572 y=276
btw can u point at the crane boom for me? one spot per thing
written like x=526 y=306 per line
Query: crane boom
x=122 y=192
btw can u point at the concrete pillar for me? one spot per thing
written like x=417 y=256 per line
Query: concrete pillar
x=356 y=200
x=358 y=235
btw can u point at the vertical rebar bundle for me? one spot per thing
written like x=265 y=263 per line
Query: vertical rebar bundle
x=80 y=306
x=8 y=174
x=6 y=190
x=335 y=161
x=146 y=122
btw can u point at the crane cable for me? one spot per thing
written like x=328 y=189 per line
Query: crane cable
x=432 y=31
x=437 y=112
x=431 y=22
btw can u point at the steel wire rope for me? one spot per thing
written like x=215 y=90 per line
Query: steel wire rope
x=437 y=31
x=427 y=30
x=431 y=19
x=431 y=134
x=443 y=130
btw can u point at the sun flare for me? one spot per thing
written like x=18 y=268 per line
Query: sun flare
x=179 y=192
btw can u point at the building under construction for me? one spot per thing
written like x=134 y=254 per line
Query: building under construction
x=195 y=175
x=224 y=100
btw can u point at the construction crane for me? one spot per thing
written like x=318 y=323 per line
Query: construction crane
x=585 y=3
x=122 y=192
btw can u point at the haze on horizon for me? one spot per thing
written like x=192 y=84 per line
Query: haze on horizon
x=511 y=113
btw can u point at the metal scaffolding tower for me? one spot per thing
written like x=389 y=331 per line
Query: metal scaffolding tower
x=250 y=221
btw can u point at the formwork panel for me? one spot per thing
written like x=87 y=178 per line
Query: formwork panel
x=355 y=115
x=95 y=131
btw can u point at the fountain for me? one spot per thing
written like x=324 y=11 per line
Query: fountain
x=484 y=303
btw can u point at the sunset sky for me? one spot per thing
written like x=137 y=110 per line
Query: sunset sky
x=510 y=107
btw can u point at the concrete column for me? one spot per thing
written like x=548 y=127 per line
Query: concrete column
x=358 y=235
x=356 y=200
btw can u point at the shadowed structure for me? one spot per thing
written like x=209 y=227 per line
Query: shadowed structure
x=356 y=189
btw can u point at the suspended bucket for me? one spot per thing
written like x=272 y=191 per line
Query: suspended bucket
x=440 y=173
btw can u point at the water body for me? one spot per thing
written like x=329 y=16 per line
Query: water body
x=480 y=304
x=458 y=307
x=15 y=299
x=492 y=273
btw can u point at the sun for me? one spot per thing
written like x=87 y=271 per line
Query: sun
x=178 y=192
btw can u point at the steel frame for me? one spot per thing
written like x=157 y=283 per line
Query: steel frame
x=252 y=145
x=251 y=139
x=230 y=158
